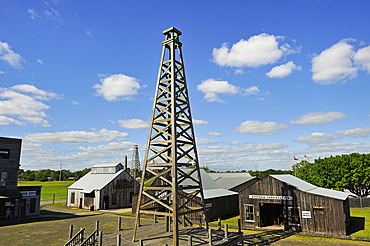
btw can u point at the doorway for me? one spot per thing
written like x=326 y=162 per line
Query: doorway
x=271 y=214
x=320 y=220
x=105 y=202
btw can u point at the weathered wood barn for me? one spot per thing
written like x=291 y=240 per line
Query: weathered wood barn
x=219 y=202
x=289 y=202
x=105 y=186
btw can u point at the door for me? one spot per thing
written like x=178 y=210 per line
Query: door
x=320 y=220
x=22 y=207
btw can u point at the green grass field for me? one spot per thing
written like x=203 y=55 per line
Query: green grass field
x=59 y=188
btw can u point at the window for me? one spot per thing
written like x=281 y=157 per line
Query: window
x=114 y=199
x=33 y=205
x=249 y=213
x=72 y=197
x=294 y=217
x=4 y=177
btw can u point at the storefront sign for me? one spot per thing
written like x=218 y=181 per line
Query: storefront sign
x=28 y=193
x=4 y=153
x=208 y=205
x=271 y=197
x=306 y=214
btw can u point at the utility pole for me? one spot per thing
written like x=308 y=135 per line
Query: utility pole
x=60 y=173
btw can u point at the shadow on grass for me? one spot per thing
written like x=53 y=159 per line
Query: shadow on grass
x=356 y=224
x=45 y=215
x=265 y=238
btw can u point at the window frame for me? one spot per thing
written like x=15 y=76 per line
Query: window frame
x=73 y=194
x=247 y=212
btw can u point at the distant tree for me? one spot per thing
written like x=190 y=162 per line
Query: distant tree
x=262 y=174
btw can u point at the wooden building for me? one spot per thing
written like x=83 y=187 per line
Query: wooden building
x=233 y=181
x=105 y=186
x=219 y=202
x=15 y=202
x=293 y=204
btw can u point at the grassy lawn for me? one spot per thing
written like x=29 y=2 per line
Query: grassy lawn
x=49 y=188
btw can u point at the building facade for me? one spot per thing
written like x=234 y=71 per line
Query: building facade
x=293 y=204
x=104 y=187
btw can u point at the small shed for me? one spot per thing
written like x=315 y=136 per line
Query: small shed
x=105 y=186
x=293 y=204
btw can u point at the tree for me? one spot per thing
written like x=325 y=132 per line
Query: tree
x=351 y=172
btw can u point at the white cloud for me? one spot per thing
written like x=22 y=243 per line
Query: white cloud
x=27 y=108
x=258 y=50
x=215 y=134
x=260 y=128
x=33 y=14
x=318 y=118
x=9 y=56
x=200 y=122
x=7 y=121
x=211 y=88
x=234 y=143
x=1 y=72
x=40 y=61
x=357 y=132
x=37 y=93
x=239 y=71
x=76 y=137
x=53 y=15
x=334 y=64
x=75 y=103
x=283 y=70
x=133 y=124
x=203 y=141
x=362 y=58
x=317 y=138
x=253 y=90
x=88 y=33
x=111 y=121
x=117 y=87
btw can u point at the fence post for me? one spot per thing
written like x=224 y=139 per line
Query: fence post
x=210 y=236
x=155 y=219
x=239 y=226
x=141 y=243
x=226 y=231
x=200 y=221
x=118 y=240
x=97 y=227
x=82 y=234
x=219 y=223
x=190 y=240
x=70 y=231
x=119 y=224
x=100 y=238
x=53 y=198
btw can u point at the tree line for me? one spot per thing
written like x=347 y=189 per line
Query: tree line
x=346 y=172
x=48 y=174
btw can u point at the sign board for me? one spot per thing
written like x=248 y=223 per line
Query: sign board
x=208 y=205
x=28 y=193
x=8 y=204
x=271 y=197
x=306 y=214
x=4 y=153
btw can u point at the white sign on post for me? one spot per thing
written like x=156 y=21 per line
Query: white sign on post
x=306 y=214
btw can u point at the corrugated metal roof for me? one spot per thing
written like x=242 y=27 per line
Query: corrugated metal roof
x=94 y=181
x=210 y=188
x=107 y=164
x=309 y=188
x=215 y=176
x=229 y=183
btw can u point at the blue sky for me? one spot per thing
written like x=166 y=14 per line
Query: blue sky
x=267 y=80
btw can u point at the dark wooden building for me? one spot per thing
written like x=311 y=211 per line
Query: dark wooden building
x=105 y=186
x=293 y=204
x=219 y=202
x=10 y=152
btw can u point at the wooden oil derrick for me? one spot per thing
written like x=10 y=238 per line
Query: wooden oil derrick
x=171 y=148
